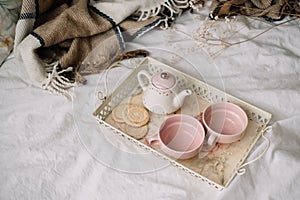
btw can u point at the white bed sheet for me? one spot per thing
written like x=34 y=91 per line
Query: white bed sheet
x=52 y=148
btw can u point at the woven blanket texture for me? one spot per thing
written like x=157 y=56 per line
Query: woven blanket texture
x=53 y=38
x=60 y=40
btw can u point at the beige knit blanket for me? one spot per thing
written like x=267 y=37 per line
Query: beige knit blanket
x=58 y=40
x=55 y=37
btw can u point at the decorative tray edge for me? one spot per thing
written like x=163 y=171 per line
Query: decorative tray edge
x=228 y=97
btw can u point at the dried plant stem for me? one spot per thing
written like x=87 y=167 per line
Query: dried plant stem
x=228 y=44
x=268 y=29
x=219 y=42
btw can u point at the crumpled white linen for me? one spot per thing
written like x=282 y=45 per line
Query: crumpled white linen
x=51 y=148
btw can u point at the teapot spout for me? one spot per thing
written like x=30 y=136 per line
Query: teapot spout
x=179 y=98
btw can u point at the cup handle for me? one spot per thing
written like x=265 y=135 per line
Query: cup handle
x=152 y=140
x=212 y=140
x=209 y=143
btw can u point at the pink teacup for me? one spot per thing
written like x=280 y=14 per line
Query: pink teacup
x=225 y=123
x=180 y=136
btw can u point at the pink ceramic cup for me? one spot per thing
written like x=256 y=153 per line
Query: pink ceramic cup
x=180 y=136
x=225 y=122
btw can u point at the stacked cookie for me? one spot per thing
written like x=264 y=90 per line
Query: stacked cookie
x=130 y=118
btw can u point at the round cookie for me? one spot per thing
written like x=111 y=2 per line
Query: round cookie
x=119 y=125
x=135 y=115
x=137 y=100
x=136 y=132
x=117 y=112
x=109 y=119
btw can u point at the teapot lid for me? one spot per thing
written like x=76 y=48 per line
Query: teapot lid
x=163 y=80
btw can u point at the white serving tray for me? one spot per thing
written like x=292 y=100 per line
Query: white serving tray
x=220 y=166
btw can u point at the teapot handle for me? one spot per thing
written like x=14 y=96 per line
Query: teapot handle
x=142 y=83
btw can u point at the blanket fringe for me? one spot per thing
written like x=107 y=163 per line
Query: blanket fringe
x=173 y=7
x=56 y=83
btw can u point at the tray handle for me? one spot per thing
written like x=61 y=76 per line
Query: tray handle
x=242 y=170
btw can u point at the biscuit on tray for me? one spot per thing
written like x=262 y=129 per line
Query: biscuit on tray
x=130 y=118
x=137 y=100
x=136 y=132
x=135 y=115
x=117 y=113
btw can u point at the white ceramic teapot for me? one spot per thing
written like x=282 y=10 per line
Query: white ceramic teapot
x=161 y=93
